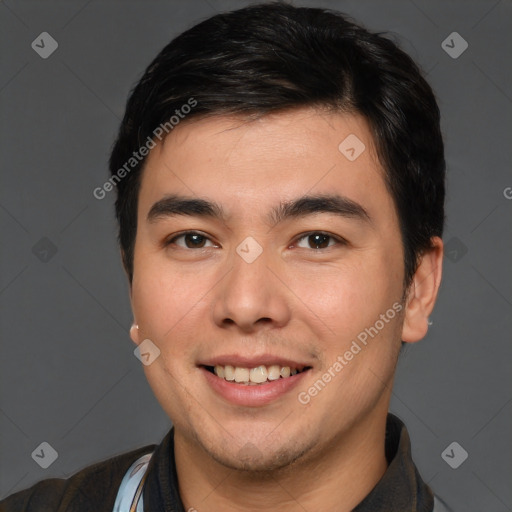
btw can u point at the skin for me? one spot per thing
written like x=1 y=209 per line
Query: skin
x=295 y=300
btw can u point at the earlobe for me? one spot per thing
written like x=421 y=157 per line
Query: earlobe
x=134 y=333
x=423 y=292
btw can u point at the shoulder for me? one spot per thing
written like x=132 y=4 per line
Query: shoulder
x=92 y=488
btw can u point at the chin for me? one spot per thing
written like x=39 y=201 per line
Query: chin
x=254 y=459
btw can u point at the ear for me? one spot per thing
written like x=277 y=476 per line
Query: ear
x=422 y=293
x=134 y=329
x=134 y=333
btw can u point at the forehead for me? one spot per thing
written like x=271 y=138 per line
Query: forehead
x=276 y=157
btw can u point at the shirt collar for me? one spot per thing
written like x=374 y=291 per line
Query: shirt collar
x=400 y=488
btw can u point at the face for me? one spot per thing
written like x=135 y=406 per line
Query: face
x=290 y=255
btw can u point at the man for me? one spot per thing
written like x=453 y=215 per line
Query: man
x=280 y=180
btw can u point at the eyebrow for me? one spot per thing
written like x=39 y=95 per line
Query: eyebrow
x=174 y=205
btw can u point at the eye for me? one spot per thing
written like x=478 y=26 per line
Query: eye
x=318 y=240
x=190 y=240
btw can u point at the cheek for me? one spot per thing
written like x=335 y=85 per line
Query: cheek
x=347 y=298
x=165 y=301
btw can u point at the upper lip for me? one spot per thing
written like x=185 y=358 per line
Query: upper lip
x=253 y=361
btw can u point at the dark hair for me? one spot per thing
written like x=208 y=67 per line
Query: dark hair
x=273 y=57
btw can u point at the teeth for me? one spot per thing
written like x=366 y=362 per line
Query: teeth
x=274 y=372
x=254 y=376
x=241 y=374
x=258 y=374
x=219 y=371
x=229 y=372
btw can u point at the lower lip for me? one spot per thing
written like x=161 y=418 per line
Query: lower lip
x=252 y=396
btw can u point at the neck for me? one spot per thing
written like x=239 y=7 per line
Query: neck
x=337 y=478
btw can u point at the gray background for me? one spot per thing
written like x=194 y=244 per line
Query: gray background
x=68 y=375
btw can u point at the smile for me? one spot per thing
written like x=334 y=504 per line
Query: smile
x=258 y=375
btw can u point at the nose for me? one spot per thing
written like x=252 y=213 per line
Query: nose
x=251 y=298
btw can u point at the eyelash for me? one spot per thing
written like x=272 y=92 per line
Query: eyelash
x=337 y=239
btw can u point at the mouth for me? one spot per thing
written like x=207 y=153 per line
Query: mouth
x=255 y=380
x=256 y=376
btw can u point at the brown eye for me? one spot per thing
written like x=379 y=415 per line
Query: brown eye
x=190 y=240
x=317 y=240
x=194 y=240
